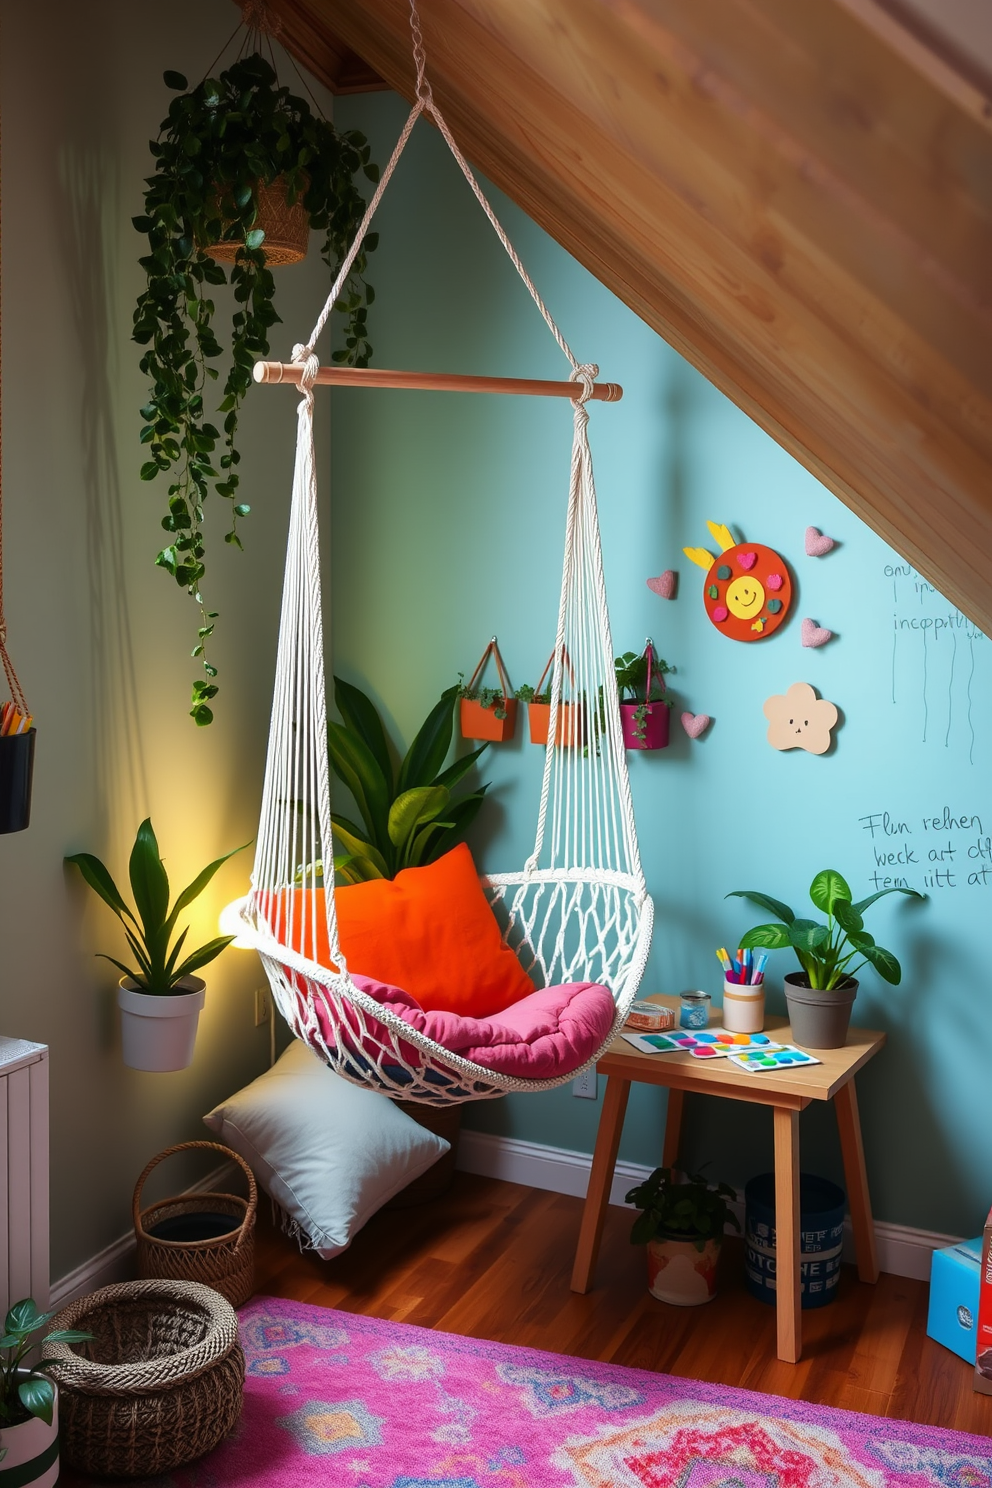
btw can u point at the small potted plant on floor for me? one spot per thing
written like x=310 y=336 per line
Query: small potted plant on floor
x=820 y=996
x=681 y=1222
x=488 y=712
x=644 y=708
x=570 y=727
x=160 y=999
x=29 y=1422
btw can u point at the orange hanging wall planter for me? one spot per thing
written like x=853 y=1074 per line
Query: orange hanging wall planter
x=570 y=727
x=488 y=712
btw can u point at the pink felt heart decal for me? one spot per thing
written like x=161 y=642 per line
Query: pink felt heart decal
x=747 y=560
x=696 y=723
x=774 y=581
x=815 y=635
x=817 y=544
x=665 y=584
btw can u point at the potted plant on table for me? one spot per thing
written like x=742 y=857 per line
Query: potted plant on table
x=160 y=999
x=682 y=1221
x=644 y=708
x=243 y=168
x=29 y=1422
x=820 y=996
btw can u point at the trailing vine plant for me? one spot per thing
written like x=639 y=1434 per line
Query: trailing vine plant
x=217 y=143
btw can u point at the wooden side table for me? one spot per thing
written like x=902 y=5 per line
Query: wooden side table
x=787 y=1091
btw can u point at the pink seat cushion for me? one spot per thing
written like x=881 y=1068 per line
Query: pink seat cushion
x=550 y=1033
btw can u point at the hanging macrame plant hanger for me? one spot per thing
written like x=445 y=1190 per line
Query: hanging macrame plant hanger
x=578 y=910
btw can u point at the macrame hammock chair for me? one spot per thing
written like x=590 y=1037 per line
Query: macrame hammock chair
x=579 y=910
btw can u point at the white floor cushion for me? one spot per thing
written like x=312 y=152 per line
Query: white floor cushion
x=330 y=1153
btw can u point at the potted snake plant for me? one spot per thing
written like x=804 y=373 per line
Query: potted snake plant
x=237 y=159
x=159 y=997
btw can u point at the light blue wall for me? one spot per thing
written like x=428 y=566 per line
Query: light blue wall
x=447 y=527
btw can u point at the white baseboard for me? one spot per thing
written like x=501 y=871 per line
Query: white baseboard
x=116 y=1261
x=902 y=1251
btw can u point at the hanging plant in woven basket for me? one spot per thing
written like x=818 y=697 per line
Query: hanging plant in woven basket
x=243 y=170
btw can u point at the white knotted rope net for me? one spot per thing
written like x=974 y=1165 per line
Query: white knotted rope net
x=578 y=910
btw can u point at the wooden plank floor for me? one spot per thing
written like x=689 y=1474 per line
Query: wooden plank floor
x=493 y=1260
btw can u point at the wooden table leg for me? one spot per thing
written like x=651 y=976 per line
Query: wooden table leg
x=604 y=1160
x=673 y=1129
x=849 y=1123
x=788 y=1296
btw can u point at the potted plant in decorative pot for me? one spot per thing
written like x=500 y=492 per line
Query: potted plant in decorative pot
x=821 y=995
x=644 y=708
x=243 y=169
x=570 y=725
x=681 y=1222
x=29 y=1409
x=488 y=712
x=160 y=1000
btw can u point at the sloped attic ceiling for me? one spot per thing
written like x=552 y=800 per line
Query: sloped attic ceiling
x=798 y=197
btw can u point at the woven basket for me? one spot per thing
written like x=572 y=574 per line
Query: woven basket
x=225 y=1262
x=160 y=1383
x=286 y=228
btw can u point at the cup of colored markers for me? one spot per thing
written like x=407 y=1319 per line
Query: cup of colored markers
x=743 y=990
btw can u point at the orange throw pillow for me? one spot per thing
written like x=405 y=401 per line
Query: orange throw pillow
x=432 y=932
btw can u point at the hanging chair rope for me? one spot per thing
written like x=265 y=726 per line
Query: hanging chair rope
x=579 y=909
x=13 y=681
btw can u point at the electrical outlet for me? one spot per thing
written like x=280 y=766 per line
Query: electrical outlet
x=263 y=1006
x=586 y=1085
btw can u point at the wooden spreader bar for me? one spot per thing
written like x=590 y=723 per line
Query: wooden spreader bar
x=433 y=382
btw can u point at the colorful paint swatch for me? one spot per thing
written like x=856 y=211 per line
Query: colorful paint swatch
x=766 y=1061
x=707 y=1045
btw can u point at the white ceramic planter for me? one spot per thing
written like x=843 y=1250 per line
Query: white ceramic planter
x=159 y=1033
x=31 y=1452
x=681 y=1274
x=743 y=1008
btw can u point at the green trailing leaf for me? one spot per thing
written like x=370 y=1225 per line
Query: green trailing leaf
x=847 y=916
x=863 y=904
x=101 y=882
x=828 y=886
x=219 y=141
x=766 y=937
x=764 y=901
x=884 y=963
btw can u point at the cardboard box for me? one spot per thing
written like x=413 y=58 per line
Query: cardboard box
x=954 y=1276
x=983 y=1341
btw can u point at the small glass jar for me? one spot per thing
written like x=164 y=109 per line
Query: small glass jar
x=694 y=1009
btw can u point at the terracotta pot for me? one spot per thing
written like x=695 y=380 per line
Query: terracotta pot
x=159 y=1033
x=680 y=1273
x=286 y=228
x=570 y=728
x=478 y=722
x=653 y=729
x=16 y=773
x=819 y=1020
x=32 y=1451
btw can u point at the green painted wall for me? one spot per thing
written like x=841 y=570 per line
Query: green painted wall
x=100 y=637
x=447 y=527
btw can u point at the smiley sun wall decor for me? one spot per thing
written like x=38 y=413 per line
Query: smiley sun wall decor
x=798 y=719
x=747 y=590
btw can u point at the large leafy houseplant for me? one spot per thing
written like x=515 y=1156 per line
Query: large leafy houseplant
x=26 y=1390
x=680 y=1206
x=825 y=952
x=410 y=815
x=218 y=142
x=150 y=931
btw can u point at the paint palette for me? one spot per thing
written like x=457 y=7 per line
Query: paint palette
x=765 y=1061
x=707 y=1045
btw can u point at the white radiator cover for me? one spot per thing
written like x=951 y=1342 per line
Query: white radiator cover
x=24 y=1257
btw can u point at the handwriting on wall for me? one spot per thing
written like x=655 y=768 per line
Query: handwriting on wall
x=939 y=849
x=935 y=651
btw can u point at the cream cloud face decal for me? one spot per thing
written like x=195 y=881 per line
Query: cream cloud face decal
x=799 y=719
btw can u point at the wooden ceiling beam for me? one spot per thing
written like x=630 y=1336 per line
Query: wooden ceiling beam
x=799 y=205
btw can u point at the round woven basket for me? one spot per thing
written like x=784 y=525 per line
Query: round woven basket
x=160 y=1383
x=286 y=228
x=225 y=1262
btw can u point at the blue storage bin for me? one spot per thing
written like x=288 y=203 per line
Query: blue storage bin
x=955 y=1274
x=821 y=1226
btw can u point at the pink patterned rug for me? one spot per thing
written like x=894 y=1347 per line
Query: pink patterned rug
x=354 y=1402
